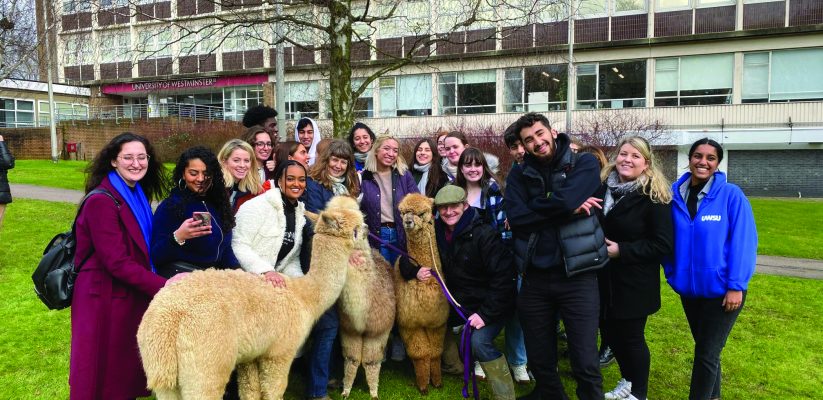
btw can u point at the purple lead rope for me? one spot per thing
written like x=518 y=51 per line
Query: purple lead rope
x=465 y=336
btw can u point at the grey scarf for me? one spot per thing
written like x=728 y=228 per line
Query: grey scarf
x=616 y=189
x=421 y=186
x=338 y=186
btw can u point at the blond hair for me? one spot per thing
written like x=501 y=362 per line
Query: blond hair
x=371 y=160
x=251 y=182
x=655 y=184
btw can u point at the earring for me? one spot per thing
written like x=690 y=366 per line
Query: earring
x=181 y=184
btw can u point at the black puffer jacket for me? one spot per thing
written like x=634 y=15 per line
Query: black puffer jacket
x=479 y=269
x=6 y=163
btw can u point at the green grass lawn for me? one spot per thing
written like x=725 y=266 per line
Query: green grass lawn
x=773 y=351
x=63 y=175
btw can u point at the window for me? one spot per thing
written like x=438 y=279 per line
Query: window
x=16 y=113
x=75 y=6
x=593 y=7
x=78 y=50
x=302 y=99
x=364 y=105
x=113 y=3
x=237 y=100
x=530 y=89
x=672 y=4
x=115 y=46
x=154 y=43
x=408 y=95
x=695 y=80
x=715 y=2
x=63 y=111
x=471 y=92
x=611 y=85
x=628 y=6
x=198 y=40
x=784 y=75
x=410 y=18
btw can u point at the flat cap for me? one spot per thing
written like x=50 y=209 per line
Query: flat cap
x=450 y=194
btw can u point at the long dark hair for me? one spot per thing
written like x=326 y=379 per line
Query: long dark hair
x=360 y=125
x=286 y=149
x=437 y=177
x=153 y=184
x=471 y=156
x=215 y=194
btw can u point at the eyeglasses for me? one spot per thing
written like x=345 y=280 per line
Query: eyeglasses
x=262 y=144
x=129 y=158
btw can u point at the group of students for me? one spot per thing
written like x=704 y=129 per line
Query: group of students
x=255 y=193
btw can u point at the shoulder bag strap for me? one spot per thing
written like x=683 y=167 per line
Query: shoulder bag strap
x=79 y=209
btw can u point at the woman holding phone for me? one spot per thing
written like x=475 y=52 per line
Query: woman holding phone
x=194 y=224
x=715 y=249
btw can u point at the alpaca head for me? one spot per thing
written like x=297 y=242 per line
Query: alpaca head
x=416 y=210
x=341 y=222
x=346 y=202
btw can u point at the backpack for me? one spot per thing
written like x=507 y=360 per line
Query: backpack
x=55 y=274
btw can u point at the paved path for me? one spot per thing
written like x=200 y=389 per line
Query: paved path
x=771 y=265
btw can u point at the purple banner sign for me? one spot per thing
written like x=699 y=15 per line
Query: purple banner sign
x=181 y=84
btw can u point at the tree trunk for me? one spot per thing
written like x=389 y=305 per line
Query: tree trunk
x=342 y=104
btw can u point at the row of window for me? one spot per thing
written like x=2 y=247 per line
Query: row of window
x=772 y=76
x=19 y=113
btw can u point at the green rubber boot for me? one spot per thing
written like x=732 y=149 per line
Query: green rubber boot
x=500 y=379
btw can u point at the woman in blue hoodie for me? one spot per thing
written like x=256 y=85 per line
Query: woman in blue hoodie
x=714 y=256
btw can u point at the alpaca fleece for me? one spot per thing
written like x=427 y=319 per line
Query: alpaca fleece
x=196 y=331
x=422 y=309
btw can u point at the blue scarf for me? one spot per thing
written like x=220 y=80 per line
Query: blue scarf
x=138 y=204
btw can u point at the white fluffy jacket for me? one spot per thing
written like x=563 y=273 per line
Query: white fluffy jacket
x=259 y=232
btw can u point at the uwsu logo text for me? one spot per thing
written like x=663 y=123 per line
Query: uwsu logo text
x=711 y=218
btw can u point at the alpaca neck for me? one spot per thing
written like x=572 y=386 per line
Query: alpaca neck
x=322 y=285
x=421 y=242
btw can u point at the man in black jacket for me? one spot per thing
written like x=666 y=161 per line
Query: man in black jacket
x=545 y=191
x=481 y=277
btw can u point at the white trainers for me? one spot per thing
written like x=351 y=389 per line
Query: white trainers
x=621 y=391
x=520 y=374
x=478 y=371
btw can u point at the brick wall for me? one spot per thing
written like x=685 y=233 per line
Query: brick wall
x=169 y=136
x=780 y=173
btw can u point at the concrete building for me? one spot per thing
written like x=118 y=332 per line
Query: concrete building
x=748 y=73
x=25 y=104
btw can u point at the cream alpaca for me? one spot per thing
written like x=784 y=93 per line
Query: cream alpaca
x=196 y=331
x=367 y=308
x=422 y=310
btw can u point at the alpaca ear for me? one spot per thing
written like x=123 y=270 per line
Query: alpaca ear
x=330 y=221
x=311 y=216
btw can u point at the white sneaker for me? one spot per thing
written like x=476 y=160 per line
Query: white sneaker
x=520 y=374
x=621 y=391
x=478 y=371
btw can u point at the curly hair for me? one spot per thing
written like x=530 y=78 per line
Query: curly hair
x=319 y=171
x=474 y=156
x=153 y=183
x=654 y=183
x=258 y=115
x=360 y=125
x=216 y=192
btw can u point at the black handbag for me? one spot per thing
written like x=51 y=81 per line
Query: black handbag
x=583 y=245
x=55 y=274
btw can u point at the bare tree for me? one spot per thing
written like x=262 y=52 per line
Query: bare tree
x=337 y=29
x=18 y=40
x=605 y=129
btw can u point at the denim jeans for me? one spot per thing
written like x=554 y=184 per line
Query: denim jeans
x=544 y=293
x=483 y=342
x=710 y=325
x=318 y=356
x=389 y=235
x=515 y=344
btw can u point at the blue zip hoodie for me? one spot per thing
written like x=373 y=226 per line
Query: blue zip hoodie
x=715 y=252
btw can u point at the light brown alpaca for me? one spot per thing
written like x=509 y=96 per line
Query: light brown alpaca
x=366 y=307
x=197 y=330
x=422 y=309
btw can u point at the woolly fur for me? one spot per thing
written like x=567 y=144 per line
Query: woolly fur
x=422 y=309
x=196 y=331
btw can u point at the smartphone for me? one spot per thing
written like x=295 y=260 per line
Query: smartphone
x=203 y=217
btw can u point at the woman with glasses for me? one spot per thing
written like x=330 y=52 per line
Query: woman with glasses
x=193 y=226
x=117 y=281
x=263 y=144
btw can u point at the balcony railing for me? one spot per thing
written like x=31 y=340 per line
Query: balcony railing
x=133 y=112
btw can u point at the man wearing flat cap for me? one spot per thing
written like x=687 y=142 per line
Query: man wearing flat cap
x=480 y=275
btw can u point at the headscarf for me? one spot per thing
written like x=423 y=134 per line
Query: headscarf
x=316 y=139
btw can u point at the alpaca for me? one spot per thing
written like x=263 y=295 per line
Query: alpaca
x=367 y=307
x=422 y=310
x=195 y=331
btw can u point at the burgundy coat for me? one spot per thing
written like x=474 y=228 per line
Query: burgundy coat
x=113 y=290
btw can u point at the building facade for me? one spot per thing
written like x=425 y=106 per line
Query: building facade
x=748 y=73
